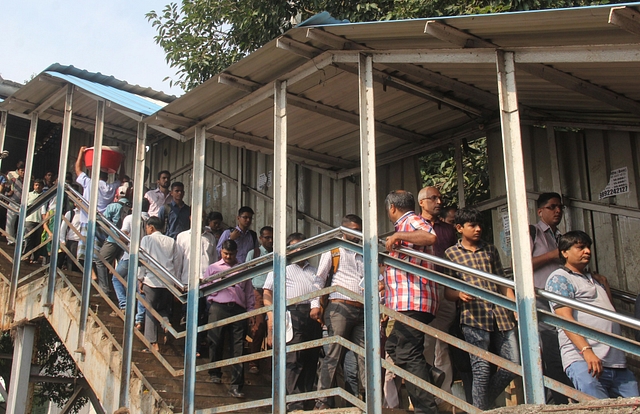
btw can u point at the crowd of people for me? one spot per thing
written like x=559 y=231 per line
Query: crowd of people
x=560 y=264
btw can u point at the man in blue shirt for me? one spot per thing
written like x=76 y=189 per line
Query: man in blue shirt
x=245 y=238
x=175 y=215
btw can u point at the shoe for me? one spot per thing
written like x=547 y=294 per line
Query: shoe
x=139 y=326
x=321 y=406
x=235 y=392
x=215 y=379
x=437 y=376
x=253 y=369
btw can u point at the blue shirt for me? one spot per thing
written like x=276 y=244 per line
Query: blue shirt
x=112 y=213
x=178 y=219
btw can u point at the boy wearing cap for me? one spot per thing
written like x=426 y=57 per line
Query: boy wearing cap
x=110 y=250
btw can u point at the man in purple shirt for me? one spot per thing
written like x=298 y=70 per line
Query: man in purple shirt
x=223 y=304
x=245 y=238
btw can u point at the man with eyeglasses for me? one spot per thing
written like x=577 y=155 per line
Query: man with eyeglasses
x=245 y=238
x=544 y=249
x=431 y=202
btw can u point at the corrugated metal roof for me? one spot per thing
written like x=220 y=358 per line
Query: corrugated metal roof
x=52 y=82
x=418 y=105
x=126 y=99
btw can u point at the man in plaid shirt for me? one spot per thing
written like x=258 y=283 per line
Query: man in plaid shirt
x=484 y=324
x=410 y=294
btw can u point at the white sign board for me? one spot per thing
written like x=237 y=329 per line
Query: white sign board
x=618 y=183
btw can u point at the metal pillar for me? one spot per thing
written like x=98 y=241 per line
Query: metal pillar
x=62 y=170
x=519 y=225
x=134 y=247
x=91 y=224
x=459 y=173
x=21 y=369
x=22 y=215
x=279 y=246
x=241 y=156
x=191 y=343
x=3 y=130
x=370 y=234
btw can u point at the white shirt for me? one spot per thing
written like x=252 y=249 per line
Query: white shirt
x=163 y=249
x=126 y=229
x=349 y=274
x=106 y=193
x=66 y=233
x=299 y=280
x=209 y=254
x=157 y=199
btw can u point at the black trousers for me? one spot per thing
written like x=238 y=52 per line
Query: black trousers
x=552 y=362
x=301 y=366
x=405 y=346
x=238 y=330
x=160 y=299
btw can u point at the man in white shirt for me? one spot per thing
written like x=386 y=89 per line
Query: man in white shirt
x=163 y=250
x=161 y=195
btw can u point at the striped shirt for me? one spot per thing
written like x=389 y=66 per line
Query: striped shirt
x=299 y=280
x=406 y=291
x=479 y=313
x=349 y=274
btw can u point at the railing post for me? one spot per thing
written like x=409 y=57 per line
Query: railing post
x=134 y=246
x=91 y=224
x=191 y=343
x=21 y=369
x=62 y=170
x=279 y=246
x=22 y=215
x=519 y=227
x=3 y=129
x=370 y=234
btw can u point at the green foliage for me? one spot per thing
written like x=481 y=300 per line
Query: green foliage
x=54 y=360
x=203 y=37
x=438 y=169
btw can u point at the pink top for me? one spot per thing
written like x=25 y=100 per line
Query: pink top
x=240 y=293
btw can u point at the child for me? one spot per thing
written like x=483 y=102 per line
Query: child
x=484 y=324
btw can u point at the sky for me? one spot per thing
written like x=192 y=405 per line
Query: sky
x=112 y=37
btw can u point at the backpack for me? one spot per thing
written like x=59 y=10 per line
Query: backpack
x=324 y=299
x=124 y=212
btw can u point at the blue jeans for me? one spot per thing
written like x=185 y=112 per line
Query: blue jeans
x=613 y=382
x=487 y=387
x=120 y=289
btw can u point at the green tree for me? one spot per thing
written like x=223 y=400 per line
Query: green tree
x=438 y=169
x=54 y=361
x=203 y=37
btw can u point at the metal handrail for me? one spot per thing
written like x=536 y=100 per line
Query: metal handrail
x=41 y=200
x=9 y=203
x=123 y=240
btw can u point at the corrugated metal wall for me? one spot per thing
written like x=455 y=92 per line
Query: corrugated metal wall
x=316 y=202
x=585 y=161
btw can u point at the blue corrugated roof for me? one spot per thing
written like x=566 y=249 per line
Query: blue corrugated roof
x=126 y=99
x=322 y=19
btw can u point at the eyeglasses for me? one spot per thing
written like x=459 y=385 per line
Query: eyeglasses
x=553 y=207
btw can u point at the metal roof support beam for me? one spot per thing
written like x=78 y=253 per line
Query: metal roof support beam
x=62 y=169
x=132 y=271
x=326 y=110
x=625 y=18
x=370 y=233
x=279 y=246
x=418 y=90
x=22 y=214
x=519 y=227
x=55 y=97
x=21 y=368
x=195 y=255
x=476 y=56
x=455 y=36
x=91 y=225
x=265 y=92
x=488 y=99
x=169 y=132
x=3 y=130
x=240 y=139
x=584 y=87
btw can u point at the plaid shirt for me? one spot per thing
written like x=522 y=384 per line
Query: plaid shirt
x=479 y=313
x=406 y=291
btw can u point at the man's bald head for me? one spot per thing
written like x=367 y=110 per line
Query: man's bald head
x=430 y=201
